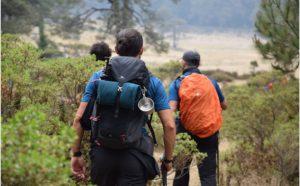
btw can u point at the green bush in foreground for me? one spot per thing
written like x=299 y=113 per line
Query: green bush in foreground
x=30 y=157
x=262 y=127
x=185 y=150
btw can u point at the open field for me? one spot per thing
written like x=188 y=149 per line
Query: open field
x=231 y=52
x=226 y=51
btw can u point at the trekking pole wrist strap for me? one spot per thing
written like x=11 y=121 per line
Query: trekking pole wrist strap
x=167 y=161
x=77 y=154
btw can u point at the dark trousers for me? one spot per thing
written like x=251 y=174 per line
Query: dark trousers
x=207 y=168
x=116 y=168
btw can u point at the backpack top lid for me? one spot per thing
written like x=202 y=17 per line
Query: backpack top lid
x=125 y=69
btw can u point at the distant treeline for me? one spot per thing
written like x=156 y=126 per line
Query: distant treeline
x=217 y=14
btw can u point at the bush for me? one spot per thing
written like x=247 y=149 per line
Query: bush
x=27 y=80
x=171 y=70
x=185 y=150
x=262 y=128
x=167 y=72
x=221 y=76
x=37 y=138
x=31 y=157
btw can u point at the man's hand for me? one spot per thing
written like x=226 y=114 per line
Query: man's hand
x=168 y=166
x=165 y=168
x=77 y=163
x=78 y=167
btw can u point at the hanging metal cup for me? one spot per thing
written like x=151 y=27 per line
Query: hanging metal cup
x=146 y=104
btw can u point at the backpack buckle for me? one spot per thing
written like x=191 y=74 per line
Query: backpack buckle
x=120 y=88
x=95 y=119
x=97 y=143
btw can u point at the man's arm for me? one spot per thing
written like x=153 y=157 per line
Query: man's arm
x=77 y=126
x=77 y=162
x=169 y=132
x=223 y=102
x=173 y=105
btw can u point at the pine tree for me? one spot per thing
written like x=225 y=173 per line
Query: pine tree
x=69 y=18
x=115 y=15
x=20 y=16
x=277 y=23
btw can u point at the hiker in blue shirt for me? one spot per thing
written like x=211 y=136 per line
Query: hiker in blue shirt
x=101 y=50
x=207 y=168
x=123 y=167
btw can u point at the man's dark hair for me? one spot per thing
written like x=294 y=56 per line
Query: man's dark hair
x=129 y=42
x=192 y=58
x=101 y=50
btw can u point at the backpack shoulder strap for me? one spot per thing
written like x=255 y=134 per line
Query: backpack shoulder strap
x=179 y=78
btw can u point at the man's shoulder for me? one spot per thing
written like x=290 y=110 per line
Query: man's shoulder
x=96 y=75
x=212 y=80
x=154 y=79
x=155 y=84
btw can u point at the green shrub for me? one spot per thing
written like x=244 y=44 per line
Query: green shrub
x=262 y=127
x=31 y=157
x=167 y=72
x=185 y=150
x=56 y=85
x=220 y=76
x=27 y=80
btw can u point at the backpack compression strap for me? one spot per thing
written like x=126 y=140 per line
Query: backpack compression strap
x=151 y=129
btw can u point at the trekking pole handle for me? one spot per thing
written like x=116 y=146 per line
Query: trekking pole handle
x=164 y=172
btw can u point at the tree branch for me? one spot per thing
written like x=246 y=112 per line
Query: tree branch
x=88 y=13
x=138 y=17
x=285 y=19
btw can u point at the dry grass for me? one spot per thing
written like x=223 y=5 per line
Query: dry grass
x=226 y=51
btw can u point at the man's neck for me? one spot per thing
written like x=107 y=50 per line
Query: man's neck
x=190 y=69
x=186 y=68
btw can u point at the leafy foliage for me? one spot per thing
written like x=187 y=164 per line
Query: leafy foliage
x=172 y=69
x=27 y=80
x=168 y=71
x=185 y=150
x=19 y=16
x=277 y=22
x=119 y=14
x=262 y=126
x=69 y=18
x=39 y=98
x=30 y=156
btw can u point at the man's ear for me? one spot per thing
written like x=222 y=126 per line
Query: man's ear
x=183 y=63
x=116 y=50
x=141 y=51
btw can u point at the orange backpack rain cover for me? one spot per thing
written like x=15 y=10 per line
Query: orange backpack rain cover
x=200 y=109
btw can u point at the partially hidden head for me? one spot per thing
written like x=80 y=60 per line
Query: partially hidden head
x=129 y=42
x=191 y=58
x=101 y=50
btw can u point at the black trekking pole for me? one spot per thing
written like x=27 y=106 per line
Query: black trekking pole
x=218 y=163
x=164 y=173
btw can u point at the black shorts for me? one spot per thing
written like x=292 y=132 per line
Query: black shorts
x=116 y=167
